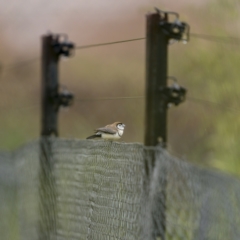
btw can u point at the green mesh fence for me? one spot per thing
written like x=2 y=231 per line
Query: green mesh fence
x=78 y=189
x=199 y=204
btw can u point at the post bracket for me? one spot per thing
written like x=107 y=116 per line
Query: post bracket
x=174 y=94
x=62 y=46
x=63 y=98
x=176 y=30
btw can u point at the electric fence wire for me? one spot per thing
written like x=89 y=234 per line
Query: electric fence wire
x=108 y=98
x=109 y=43
x=25 y=108
x=213 y=104
x=227 y=40
x=20 y=64
x=219 y=39
x=190 y=99
x=194 y=100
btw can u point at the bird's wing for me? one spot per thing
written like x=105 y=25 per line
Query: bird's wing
x=106 y=130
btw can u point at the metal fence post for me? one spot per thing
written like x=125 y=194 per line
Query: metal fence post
x=159 y=95
x=52 y=49
x=53 y=46
x=50 y=59
x=156 y=108
x=156 y=78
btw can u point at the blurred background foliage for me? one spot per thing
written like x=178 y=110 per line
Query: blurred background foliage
x=204 y=129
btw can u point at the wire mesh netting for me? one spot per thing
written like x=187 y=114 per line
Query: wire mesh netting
x=19 y=201
x=194 y=203
x=107 y=190
x=98 y=189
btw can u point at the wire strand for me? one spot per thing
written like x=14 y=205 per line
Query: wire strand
x=21 y=64
x=108 y=98
x=196 y=100
x=211 y=103
x=228 y=40
x=191 y=99
x=219 y=39
x=21 y=109
x=108 y=43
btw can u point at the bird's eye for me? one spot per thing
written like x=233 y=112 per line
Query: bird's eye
x=121 y=126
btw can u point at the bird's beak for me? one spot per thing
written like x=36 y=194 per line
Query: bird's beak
x=124 y=125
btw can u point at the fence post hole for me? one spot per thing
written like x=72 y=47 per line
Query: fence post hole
x=158 y=96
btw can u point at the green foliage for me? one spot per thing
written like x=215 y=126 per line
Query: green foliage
x=210 y=72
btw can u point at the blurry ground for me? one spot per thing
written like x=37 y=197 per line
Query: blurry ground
x=204 y=131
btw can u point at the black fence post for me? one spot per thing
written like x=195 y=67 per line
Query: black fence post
x=53 y=46
x=156 y=78
x=156 y=108
x=50 y=59
x=158 y=96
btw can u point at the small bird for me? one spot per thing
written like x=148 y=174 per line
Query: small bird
x=112 y=131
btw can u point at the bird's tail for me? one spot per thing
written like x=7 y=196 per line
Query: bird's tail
x=93 y=136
